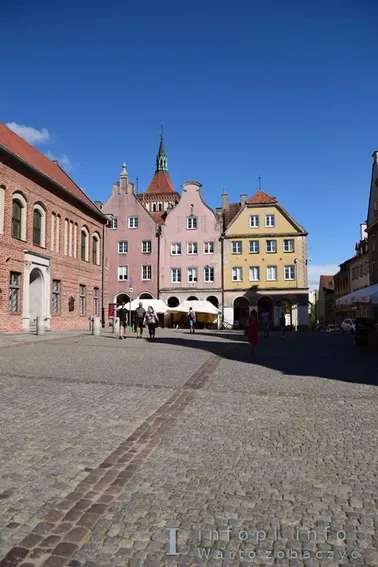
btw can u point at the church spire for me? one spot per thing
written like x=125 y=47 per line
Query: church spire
x=161 y=158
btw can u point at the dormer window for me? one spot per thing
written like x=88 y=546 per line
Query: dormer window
x=191 y=223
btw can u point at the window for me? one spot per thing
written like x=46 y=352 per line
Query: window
x=96 y=249
x=271 y=273
x=191 y=223
x=96 y=302
x=16 y=219
x=123 y=273
x=146 y=246
x=236 y=247
x=56 y=297
x=176 y=249
x=289 y=272
x=270 y=221
x=254 y=221
x=192 y=275
x=254 y=247
x=237 y=274
x=66 y=224
x=176 y=275
x=208 y=247
x=82 y=299
x=254 y=274
x=271 y=246
x=208 y=274
x=84 y=244
x=133 y=222
x=146 y=272
x=113 y=224
x=37 y=227
x=192 y=248
x=123 y=247
x=14 y=292
x=289 y=245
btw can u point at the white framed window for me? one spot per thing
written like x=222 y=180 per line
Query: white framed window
x=254 y=274
x=133 y=222
x=237 y=274
x=113 y=224
x=288 y=245
x=123 y=273
x=191 y=223
x=192 y=248
x=208 y=247
x=254 y=221
x=84 y=244
x=271 y=273
x=146 y=272
x=254 y=246
x=176 y=275
x=146 y=246
x=123 y=247
x=19 y=216
x=39 y=226
x=271 y=246
x=82 y=299
x=14 y=292
x=236 y=246
x=289 y=273
x=192 y=275
x=96 y=249
x=96 y=301
x=270 y=221
x=208 y=274
x=176 y=249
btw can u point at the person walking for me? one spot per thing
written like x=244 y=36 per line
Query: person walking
x=122 y=315
x=253 y=330
x=282 y=325
x=265 y=321
x=191 y=319
x=140 y=314
x=152 y=321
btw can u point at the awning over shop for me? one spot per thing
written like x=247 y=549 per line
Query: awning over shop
x=365 y=295
x=157 y=304
x=197 y=306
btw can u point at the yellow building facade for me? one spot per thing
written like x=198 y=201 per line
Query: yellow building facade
x=264 y=262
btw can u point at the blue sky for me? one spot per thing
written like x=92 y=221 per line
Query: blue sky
x=285 y=90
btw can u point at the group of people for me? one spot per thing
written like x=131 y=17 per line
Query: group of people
x=252 y=328
x=148 y=319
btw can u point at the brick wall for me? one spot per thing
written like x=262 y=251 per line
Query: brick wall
x=70 y=271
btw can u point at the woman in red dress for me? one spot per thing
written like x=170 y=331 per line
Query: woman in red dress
x=253 y=330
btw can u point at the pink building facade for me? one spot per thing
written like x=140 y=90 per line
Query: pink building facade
x=132 y=245
x=190 y=251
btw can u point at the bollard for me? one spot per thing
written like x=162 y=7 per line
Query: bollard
x=41 y=326
x=116 y=325
x=96 y=326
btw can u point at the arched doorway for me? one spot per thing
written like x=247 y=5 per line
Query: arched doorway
x=214 y=300
x=146 y=296
x=241 y=312
x=265 y=304
x=173 y=302
x=192 y=298
x=122 y=298
x=36 y=295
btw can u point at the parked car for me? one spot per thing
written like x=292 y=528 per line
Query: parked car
x=332 y=328
x=348 y=326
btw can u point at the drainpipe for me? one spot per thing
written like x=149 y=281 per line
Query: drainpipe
x=158 y=234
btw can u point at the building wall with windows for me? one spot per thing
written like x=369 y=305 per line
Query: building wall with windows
x=265 y=264
x=131 y=244
x=372 y=223
x=190 y=250
x=47 y=268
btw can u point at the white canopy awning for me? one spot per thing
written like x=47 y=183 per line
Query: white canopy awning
x=197 y=306
x=157 y=304
x=364 y=295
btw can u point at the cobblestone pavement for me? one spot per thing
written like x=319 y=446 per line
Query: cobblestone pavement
x=115 y=454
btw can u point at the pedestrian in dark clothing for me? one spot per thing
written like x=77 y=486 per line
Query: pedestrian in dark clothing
x=140 y=314
x=282 y=325
x=122 y=314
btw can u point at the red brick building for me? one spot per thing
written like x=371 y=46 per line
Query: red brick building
x=51 y=236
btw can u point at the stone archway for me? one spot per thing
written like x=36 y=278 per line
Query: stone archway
x=265 y=304
x=146 y=295
x=214 y=300
x=287 y=311
x=36 y=295
x=192 y=298
x=173 y=302
x=241 y=312
x=122 y=298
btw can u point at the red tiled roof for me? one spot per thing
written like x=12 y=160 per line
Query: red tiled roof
x=230 y=213
x=159 y=217
x=261 y=198
x=160 y=184
x=326 y=282
x=29 y=154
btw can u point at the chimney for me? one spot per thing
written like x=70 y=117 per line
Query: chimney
x=99 y=205
x=243 y=199
x=224 y=199
x=123 y=181
x=363 y=231
x=375 y=156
